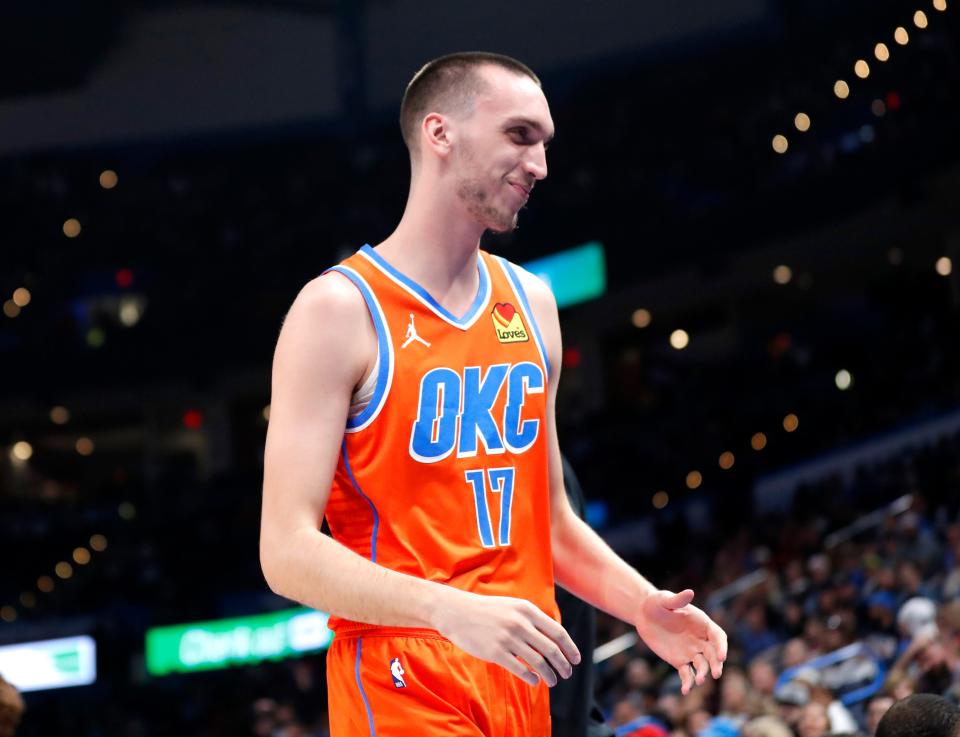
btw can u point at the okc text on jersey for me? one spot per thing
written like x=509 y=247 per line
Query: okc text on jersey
x=455 y=411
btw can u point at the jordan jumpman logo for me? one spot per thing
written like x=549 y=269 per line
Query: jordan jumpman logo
x=412 y=335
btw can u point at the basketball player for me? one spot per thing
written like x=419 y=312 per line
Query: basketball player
x=413 y=407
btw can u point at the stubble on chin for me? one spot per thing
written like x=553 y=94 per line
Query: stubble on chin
x=472 y=194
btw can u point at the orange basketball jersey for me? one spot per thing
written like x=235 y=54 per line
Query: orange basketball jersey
x=443 y=474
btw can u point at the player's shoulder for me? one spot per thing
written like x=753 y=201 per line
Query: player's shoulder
x=328 y=310
x=331 y=296
x=538 y=292
x=328 y=325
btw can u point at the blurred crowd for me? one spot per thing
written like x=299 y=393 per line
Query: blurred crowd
x=833 y=634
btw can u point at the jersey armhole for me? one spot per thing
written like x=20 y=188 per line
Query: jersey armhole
x=384 y=371
x=521 y=295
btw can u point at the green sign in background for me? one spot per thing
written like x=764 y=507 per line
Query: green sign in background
x=240 y=641
x=574 y=275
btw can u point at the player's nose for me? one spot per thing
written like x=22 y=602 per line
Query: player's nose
x=535 y=163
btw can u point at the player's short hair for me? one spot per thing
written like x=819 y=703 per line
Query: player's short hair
x=921 y=715
x=449 y=84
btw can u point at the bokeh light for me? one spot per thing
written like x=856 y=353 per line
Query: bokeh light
x=22 y=450
x=21 y=296
x=641 y=318
x=71 y=228
x=129 y=312
x=843 y=379
x=782 y=274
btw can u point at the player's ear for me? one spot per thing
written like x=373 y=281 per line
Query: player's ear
x=436 y=134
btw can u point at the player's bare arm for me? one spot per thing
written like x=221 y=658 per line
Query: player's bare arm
x=326 y=347
x=584 y=564
x=322 y=354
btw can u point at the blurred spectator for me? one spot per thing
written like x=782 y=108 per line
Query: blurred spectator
x=628 y=709
x=766 y=726
x=754 y=632
x=763 y=677
x=791 y=698
x=882 y=612
x=11 y=708
x=735 y=696
x=839 y=718
x=921 y=715
x=877 y=707
x=813 y=721
x=795 y=652
x=720 y=727
x=917 y=616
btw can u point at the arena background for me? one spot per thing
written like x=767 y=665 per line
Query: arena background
x=763 y=403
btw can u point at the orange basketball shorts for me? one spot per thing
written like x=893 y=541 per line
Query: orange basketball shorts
x=400 y=682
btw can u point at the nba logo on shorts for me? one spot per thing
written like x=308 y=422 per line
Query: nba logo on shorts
x=396 y=670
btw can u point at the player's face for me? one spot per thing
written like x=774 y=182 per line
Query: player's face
x=501 y=150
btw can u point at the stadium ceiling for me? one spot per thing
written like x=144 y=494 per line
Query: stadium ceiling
x=52 y=45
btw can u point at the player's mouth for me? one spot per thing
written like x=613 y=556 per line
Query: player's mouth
x=521 y=190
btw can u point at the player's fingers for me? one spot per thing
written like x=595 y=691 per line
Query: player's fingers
x=718 y=638
x=700 y=665
x=710 y=653
x=686 y=678
x=678 y=600
x=556 y=632
x=551 y=651
x=510 y=663
x=537 y=662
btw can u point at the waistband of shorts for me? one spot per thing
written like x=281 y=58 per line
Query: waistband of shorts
x=356 y=630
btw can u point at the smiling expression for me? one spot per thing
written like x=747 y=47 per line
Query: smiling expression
x=499 y=150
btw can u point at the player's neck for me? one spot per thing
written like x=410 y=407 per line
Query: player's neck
x=437 y=247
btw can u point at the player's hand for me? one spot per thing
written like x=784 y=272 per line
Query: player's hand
x=504 y=630
x=682 y=635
